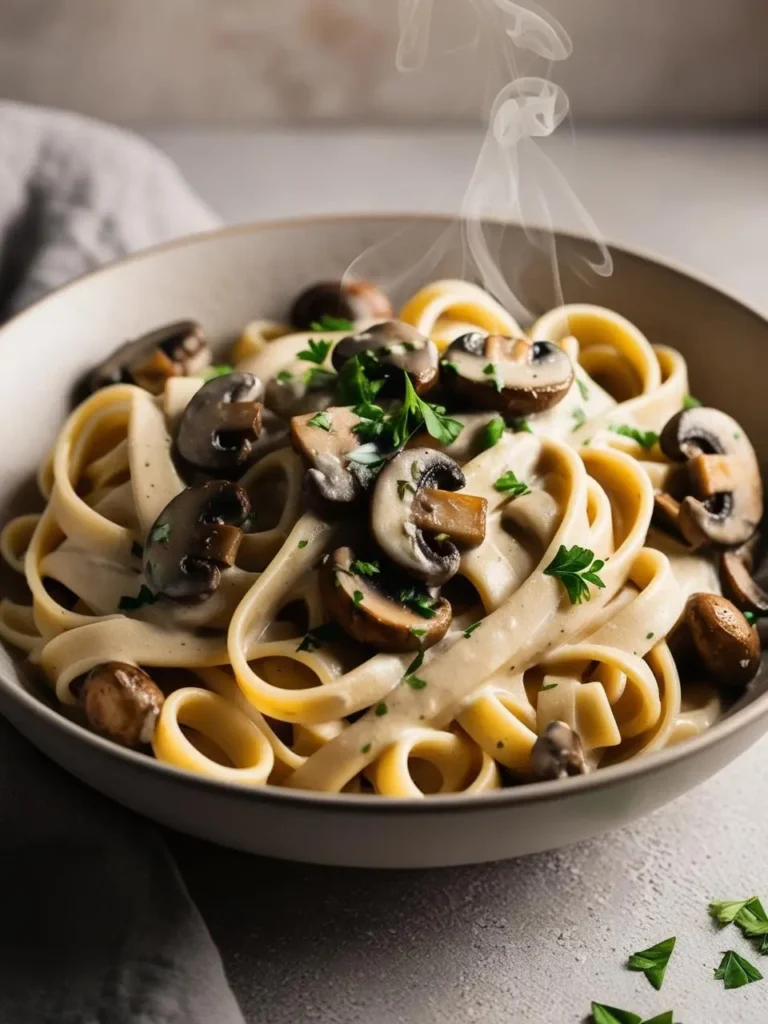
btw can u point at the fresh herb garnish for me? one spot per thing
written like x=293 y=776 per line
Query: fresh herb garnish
x=415 y=683
x=492 y=371
x=753 y=921
x=316 y=379
x=316 y=353
x=438 y=425
x=520 y=425
x=366 y=455
x=380 y=709
x=689 y=402
x=357 y=598
x=327 y=633
x=302 y=544
x=583 y=389
x=366 y=749
x=418 y=632
x=416 y=664
x=419 y=601
x=144 y=596
x=549 y=686
x=653 y=961
x=645 y=438
x=508 y=483
x=364 y=568
x=471 y=629
x=735 y=971
x=579 y=418
x=217 y=370
x=332 y=323
x=492 y=433
x=576 y=567
x=611 y=1015
x=726 y=911
x=321 y=420
x=649 y=636
x=450 y=366
x=161 y=534
x=403 y=486
x=284 y=376
x=752 y=617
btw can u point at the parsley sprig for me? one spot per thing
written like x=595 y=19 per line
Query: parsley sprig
x=508 y=483
x=575 y=567
x=217 y=370
x=419 y=601
x=364 y=568
x=316 y=353
x=396 y=428
x=653 y=961
x=332 y=323
x=645 y=438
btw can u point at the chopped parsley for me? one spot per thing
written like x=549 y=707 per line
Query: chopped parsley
x=549 y=686
x=576 y=567
x=726 y=911
x=735 y=971
x=418 y=632
x=492 y=371
x=415 y=683
x=579 y=418
x=492 y=433
x=450 y=366
x=653 y=961
x=471 y=629
x=317 y=378
x=284 y=376
x=418 y=601
x=332 y=323
x=611 y=1015
x=380 y=709
x=366 y=455
x=144 y=596
x=520 y=425
x=321 y=420
x=403 y=486
x=160 y=534
x=583 y=389
x=302 y=544
x=415 y=664
x=316 y=353
x=366 y=749
x=689 y=402
x=327 y=633
x=645 y=438
x=364 y=568
x=752 y=617
x=217 y=370
x=649 y=636
x=357 y=598
x=508 y=483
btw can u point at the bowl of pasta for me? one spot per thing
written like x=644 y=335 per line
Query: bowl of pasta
x=369 y=573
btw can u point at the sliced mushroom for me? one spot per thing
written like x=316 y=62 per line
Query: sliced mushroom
x=728 y=647
x=727 y=501
x=558 y=753
x=736 y=568
x=196 y=535
x=121 y=702
x=174 y=350
x=350 y=300
x=513 y=375
x=397 y=346
x=222 y=423
x=416 y=519
x=369 y=608
x=326 y=440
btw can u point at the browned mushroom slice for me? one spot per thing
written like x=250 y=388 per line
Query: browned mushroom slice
x=401 y=512
x=736 y=568
x=397 y=346
x=174 y=350
x=365 y=608
x=666 y=514
x=728 y=647
x=727 y=503
x=121 y=702
x=557 y=753
x=513 y=375
x=196 y=535
x=222 y=423
x=349 y=300
x=326 y=440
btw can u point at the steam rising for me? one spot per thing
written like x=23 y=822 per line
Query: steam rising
x=514 y=179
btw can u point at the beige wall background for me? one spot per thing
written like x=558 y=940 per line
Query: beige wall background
x=296 y=61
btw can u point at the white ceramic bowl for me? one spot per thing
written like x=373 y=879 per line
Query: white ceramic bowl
x=226 y=278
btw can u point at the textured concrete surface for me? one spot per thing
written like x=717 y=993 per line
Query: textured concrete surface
x=252 y=61
x=531 y=941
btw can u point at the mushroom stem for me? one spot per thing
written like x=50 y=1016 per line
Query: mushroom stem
x=220 y=545
x=460 y=516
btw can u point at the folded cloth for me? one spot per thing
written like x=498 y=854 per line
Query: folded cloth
x=96 y=926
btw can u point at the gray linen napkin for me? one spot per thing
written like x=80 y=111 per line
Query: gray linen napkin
x=96 y=926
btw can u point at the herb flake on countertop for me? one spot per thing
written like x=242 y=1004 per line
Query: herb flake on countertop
x=653 y=961
x=735 y=971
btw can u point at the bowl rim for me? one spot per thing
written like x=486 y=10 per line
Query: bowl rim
x=536 y=792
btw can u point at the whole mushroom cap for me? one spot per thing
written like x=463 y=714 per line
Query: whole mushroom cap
x=729 y=648
x=348 y=300
x=122 y=702
x=222 y=423
x=557 y=753
x=397 y=346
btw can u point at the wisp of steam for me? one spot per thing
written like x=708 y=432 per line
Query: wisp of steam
x=514 y=179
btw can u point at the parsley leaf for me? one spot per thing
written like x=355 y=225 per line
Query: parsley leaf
x=575 y=567
x=662 y=1018
x=317 y=378
x=653 y=961
x=302 y=544
x=366 y=455
x=752 y=617
x=520 y=425
x=450 y=366
x=583 y=389
x=549 y=686
x=492 y=433
x=144 y=596
x=160 y=534
x=418 y=632
x=415 y=664
x=689 y=402
x=419 y=601
x=366 y=749
x=492 y=371
x=610 y=1015
x=380 y=709
x=415 y=683
x=645 y=438
x=753 y=921
x=284 y=376
x=579 y=418
x=735 y=971
x=217 y=370
x=321 y=420
x=508 y=483
x=316 y=352
x=726 y=911
x=357 y=384
x=364 y=568
x=471 y=629
x=327 y=633
x=357 y=598
x=332 y=323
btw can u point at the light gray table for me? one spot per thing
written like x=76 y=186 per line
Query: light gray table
x=531 y=941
